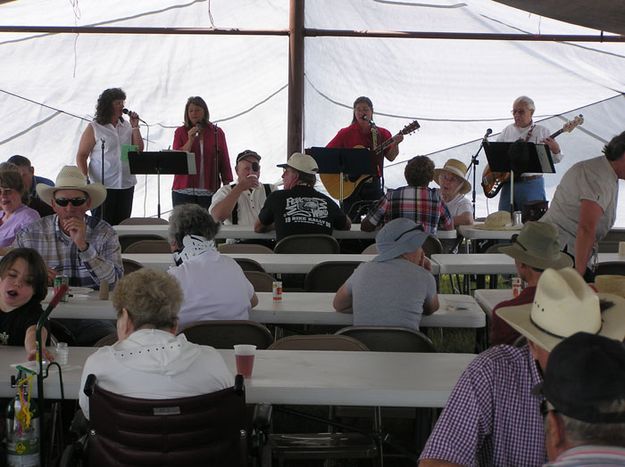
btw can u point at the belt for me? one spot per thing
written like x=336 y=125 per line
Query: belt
x=527 y=178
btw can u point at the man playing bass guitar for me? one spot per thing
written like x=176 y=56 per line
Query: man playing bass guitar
x=364 y=133
x=527 y=186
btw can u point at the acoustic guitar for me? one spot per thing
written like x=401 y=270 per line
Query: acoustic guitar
x=332 y=182
x=492 y=182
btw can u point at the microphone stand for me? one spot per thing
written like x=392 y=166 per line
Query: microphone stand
x=216 y=159
x=474 y=163
x=60 y=293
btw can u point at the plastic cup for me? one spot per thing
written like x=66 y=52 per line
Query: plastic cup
x=244 y=356
x=62 y=353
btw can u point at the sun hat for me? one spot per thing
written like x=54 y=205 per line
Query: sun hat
x=584 y=374
x=500 y=220
x=563 y=305
x=397 y=237
x=302 y=162
x=455 y=167
x=70 y=178
x=247 y=153
x=537 y=246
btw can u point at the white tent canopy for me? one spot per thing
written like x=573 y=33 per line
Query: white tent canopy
x=454 y=88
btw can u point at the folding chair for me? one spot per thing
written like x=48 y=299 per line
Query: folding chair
x=224 y=334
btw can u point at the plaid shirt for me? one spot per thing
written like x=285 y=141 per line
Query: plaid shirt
x=421 y=204
x=102 y=260
x=491 y=417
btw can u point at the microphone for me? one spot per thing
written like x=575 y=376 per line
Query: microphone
x=130 y=112
x=486 y=135
x=366 y=119
x=198 y=127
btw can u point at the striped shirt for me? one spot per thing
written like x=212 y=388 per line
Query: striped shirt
x=102 y=260
x=583 y=456
x=491 y=417
x=421 y=204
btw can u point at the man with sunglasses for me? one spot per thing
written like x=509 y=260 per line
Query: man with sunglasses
x=534 y=249
x=73 y=244
x=397 y=287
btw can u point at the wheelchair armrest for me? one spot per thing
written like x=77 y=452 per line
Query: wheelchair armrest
x=239 y=385
x=262 y=416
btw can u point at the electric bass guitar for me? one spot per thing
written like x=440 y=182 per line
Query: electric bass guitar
x=332 y=182
x=492 y=182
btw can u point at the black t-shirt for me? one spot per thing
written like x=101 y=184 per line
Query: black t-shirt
x=301 y=210
x=13 y=324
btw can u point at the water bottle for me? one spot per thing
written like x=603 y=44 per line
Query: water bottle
x=22 y=434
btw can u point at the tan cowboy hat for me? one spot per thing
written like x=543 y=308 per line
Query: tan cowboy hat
x=500 y=220
x=70 y=178
x=537 y=246
x=456 y=167
x=564 y=305
x=302 y=162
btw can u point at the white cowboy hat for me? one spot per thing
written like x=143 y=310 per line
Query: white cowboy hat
x=455 y=167
x=564 y=305
x=70 y=178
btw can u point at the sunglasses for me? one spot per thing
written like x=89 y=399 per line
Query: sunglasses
x=74 y=201
x=418 y=227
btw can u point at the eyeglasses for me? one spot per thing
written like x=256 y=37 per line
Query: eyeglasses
x=418 y=228
x=518 y=111
x=6 y=191
x=515 y=239
x=75 y=201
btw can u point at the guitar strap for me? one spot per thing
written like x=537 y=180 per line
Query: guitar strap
x=374 y=145
x=529 y=134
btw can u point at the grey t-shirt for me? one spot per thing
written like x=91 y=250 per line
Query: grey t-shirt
x=390 y=293
x=592 y=180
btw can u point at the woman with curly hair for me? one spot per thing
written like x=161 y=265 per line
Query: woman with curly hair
x=104 y=138
x=208 y=142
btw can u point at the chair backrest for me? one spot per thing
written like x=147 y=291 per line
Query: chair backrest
x=261 y=281
x=432 y=246
x=610 y=268
x=389 y=339
x=371 y=250
x=329 y=275
x=126 y=240
x=307 y=243
x=149 y=246
x=144 y=221
x=249 y=264
x=243 y=248
x=130 y=265
x=224 y=334
x=318 y=342
x=208 y=429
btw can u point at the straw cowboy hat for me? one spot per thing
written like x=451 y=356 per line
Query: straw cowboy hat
x=397 y=237
x=537 y=246
x=456 y=167
x=70 y=178
x=564 y=305
x=500 y=220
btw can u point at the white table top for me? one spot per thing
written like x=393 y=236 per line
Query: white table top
x=247 y=232
x=306 y=377
x=607 y=257
x=474 y=263
x=272 y=263
x=458 y=311
x=490 y=298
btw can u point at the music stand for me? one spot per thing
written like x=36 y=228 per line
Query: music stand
x=344 y=162
x=518 y=157
x=161 y=162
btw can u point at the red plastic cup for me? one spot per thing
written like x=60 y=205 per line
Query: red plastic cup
x=244 y=356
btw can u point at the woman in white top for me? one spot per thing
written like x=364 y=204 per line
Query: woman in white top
x=149 y=361
x=453 y=188
x=104 y=145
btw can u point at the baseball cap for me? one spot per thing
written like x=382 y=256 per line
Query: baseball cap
x=302 y=162
x=247 y=153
